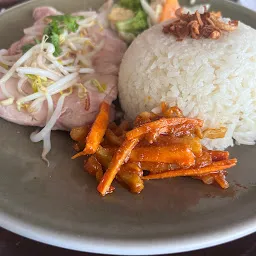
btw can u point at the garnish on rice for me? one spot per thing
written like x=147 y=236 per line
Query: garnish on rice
x=197 y=25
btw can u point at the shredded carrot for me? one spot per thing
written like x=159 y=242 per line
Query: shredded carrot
x=122 y=128
x=131 y=180
x=117 y=161
x=173 y=154
x=132 y=167
x=220 y=179
x=164 y=107
x=218 y=155
x=155 y=167
x=112 y=138
x=79 y=133
x=204 y=160
x=104 y=156
x=193 y=142
x=198 y=132
x=165 y=145
x=215 y=133
x=161 y=123
x=207 y=179
x=169 y=9
x=214 y=167
x=93 y=167
x=97 y=131
x=171 y=111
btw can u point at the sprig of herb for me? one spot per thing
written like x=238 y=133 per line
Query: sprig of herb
x=55 y=28
x=68 y=21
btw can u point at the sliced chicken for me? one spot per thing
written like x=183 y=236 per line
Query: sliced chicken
x=76 y=111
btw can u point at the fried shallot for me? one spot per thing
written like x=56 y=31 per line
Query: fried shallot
x=207 y=25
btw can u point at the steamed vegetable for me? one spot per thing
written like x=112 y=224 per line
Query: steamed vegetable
x=130 y=4
x=128 y=18
x=120 y=14
x=66 y=21
x=131 y=17
x=134 y=25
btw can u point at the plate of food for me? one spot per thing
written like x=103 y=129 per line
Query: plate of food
x=128 y=127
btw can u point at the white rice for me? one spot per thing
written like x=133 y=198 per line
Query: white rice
x=214 y=80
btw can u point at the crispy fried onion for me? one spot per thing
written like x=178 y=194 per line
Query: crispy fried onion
x=208 y=25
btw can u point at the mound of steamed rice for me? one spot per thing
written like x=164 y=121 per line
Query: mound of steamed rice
x=214 y=80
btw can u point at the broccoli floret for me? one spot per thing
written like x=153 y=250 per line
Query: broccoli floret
x=130 y=4
x=134 y=25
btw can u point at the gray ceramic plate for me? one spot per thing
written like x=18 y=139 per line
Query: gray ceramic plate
x=60 y=206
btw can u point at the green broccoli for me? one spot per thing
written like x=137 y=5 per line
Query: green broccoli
x=130 y=4
x=134 y=25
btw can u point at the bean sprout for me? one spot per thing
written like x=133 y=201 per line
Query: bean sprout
x=86 y=70
x=21 y=82
x=36 y=105
x=56 y=87
x=38 y=72
x=23 y=58
x=47 y=138
x=41 y=64
x=7 y=102
x=60 y=67
x=147 y=8
x=36 y=137
x=67 y=62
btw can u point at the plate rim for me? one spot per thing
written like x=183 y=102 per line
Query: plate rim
x=130 y=247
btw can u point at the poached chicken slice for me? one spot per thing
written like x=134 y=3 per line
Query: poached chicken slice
x=76 y=111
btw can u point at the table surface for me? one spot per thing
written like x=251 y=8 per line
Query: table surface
x=15 y=245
